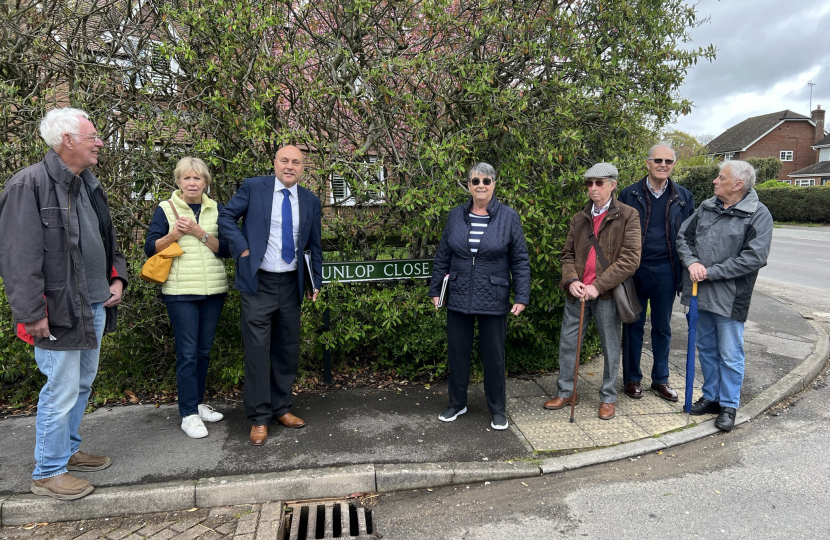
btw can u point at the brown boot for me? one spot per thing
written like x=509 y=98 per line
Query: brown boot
x=87 y=462
x=63 y=487
x=559 y=402
x=607 y=411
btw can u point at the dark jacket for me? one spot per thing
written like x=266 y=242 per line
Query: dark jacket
x=733 y=244
x=481 y=284
x=40 y=255
x=619 y=239
x=253 y=203
x=680 y=206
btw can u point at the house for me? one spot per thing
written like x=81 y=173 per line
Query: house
x=817 y=174
x=785 y=135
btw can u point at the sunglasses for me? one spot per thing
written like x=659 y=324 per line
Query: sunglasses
x=477 y=181
x=599 y=182
x=660 y=161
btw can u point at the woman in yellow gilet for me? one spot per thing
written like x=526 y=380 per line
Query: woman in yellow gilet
x=197 y=286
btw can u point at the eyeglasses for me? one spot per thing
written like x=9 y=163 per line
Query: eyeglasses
x=599 y=182
x=93 y=138
x=477 y=181
x=660 y=161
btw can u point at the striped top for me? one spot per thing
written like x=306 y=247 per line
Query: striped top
x=479 y=223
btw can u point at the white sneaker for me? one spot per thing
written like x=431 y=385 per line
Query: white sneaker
x=193 y=426
x=208 y=414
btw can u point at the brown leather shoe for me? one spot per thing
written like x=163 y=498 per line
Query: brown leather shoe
x=81 y=461
x=607 y=411
x=634 y=390
x=259 y=434
x=559 y=402
x=664 y=391
x=63 y=487
x=289 y=420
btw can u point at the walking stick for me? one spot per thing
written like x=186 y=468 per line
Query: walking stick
x=578 y=351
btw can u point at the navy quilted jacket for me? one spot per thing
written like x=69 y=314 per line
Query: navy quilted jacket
x=481 y=284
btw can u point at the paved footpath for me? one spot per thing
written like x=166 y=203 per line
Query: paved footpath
x=372 y=440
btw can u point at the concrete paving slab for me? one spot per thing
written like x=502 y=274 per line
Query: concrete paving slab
x=101 y=503
x=610 y=432
x=285 y=486
x=523 y=388
x=654 y=424
x=606 y=455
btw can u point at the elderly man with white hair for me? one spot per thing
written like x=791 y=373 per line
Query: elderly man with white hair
x=64 y=277
x=723 y=245
x=616 y=227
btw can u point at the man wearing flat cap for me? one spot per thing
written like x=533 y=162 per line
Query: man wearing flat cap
x=617 y=230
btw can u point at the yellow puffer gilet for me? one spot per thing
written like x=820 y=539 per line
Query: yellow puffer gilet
x=199 y=270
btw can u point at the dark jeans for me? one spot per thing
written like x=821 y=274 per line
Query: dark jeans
x=655 y=285
x=271 y=337
x=492 y=332
x=194 y=327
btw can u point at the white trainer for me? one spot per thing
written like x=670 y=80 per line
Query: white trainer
x=209 y=414
x=193 y=426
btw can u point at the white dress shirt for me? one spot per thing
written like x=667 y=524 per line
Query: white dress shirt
x=273 y=253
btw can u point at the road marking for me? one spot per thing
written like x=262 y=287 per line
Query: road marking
x=823 y=260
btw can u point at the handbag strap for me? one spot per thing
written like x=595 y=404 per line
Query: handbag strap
x=173 y=208
x=600 y=255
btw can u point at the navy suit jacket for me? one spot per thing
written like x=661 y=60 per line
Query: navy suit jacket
x=253 y=204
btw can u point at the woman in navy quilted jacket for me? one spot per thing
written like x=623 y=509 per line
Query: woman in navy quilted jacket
x=482 y=251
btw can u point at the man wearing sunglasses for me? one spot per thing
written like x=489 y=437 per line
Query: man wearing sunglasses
x=617 y=231
x=663 y=206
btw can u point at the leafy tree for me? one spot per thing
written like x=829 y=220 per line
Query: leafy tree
x=690 y=152
x=394 y=101
x=767 y=168
x=698 y=179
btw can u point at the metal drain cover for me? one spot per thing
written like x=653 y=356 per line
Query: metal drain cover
x=307 y=520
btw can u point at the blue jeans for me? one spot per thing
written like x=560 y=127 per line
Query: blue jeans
x=194 y=327
x=655 y=285
x=63 y=400
x=720 y=348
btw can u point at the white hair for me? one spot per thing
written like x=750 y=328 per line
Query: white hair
x=661 y=145
x=60 y=121
x=742 y=171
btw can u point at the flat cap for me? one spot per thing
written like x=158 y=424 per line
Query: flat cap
x=602 y=170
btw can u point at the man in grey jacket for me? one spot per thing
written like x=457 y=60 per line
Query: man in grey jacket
x=723 y=245
x=64 y=276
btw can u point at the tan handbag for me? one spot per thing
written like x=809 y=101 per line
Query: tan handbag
x=157 y=267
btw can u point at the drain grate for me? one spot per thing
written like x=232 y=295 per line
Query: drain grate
x=326 y=519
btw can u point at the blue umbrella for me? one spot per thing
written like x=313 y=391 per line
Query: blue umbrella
x=692 y=317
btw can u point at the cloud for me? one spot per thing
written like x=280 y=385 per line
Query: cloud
x=767 y=52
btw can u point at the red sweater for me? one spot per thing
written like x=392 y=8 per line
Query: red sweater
x=591 y=264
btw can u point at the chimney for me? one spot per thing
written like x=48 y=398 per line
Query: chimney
x=818 y=117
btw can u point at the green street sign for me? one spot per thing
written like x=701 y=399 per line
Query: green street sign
x=351 y=271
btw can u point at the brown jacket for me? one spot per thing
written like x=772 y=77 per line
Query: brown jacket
x=619 y=238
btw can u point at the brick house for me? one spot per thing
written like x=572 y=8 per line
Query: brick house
x=785 y=135
x=817 y=174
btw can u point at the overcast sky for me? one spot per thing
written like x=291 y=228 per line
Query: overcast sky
x=767 y=52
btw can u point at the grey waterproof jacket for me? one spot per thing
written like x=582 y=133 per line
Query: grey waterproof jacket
x=40 y=253
x=481 y=284
x=733 y=244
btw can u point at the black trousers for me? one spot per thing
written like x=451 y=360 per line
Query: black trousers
x=492 y=332
x=271 y=337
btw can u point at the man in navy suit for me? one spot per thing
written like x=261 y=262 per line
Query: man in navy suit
x=281 y=220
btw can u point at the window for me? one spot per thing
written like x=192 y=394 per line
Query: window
x=825 y=180
x=371 y=177
x=804 y=182
x=728 y=156
x=786 y=155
